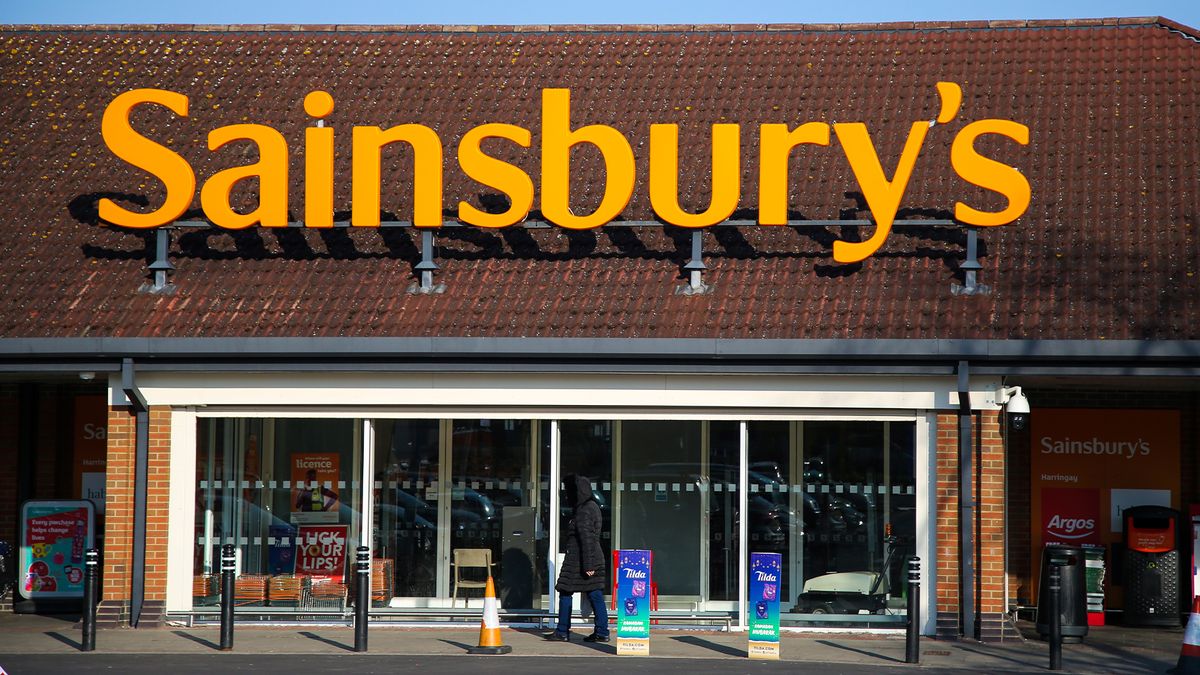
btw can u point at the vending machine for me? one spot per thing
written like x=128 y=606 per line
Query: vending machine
x=1153 y=566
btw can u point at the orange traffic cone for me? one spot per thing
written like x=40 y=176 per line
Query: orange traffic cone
x=489 y=630
x=1189 y=655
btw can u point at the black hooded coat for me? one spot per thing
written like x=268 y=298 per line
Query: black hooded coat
x=583 y=549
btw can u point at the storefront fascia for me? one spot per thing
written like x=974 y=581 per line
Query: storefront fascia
x=370 y=397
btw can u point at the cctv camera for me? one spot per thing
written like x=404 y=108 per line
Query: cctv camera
x=1017 y=408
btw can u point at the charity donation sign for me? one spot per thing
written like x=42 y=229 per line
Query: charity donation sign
x=556 y=140
x=54 y=536
x=633 y=602
x=765 y=574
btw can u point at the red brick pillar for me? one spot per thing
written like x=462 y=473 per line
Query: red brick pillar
x=988 y=530
x=119 y=525
x=947 y=527
x=989 y=535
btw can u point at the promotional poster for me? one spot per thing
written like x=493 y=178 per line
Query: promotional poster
x=1087 y=466
x=54 y=536
x=633 y=602
x=766 y=570
x=321 y=552
x=314 y=483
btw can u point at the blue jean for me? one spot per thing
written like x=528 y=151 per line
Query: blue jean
x=599 y=612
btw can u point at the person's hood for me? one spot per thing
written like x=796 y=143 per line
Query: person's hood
x=579 y=490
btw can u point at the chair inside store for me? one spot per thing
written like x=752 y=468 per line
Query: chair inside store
x=466 y=563
x=653 y=585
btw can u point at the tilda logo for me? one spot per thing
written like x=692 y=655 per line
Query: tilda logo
x=1071 y=515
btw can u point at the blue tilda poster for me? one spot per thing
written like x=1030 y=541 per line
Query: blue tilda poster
x=633 y=602
x=765 y=573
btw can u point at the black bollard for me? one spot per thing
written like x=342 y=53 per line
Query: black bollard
x=912 y=642
x=362 y=602
x=91 y=581
x=228 y=565
x=1055 y=615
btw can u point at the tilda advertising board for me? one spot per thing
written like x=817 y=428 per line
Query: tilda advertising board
x=634 y=592
x=1088 y=465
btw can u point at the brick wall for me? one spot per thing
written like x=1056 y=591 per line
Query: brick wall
x=947 y=526
x=988 y=529
x=118 y=554
x=1020 y=582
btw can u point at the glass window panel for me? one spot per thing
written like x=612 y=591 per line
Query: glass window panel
x=586 y=449
x=858 y=478
x=492 y=505
x=269 y=487
x=773 y=522
x=406 y=512
x=659 y=461
x=724 y=447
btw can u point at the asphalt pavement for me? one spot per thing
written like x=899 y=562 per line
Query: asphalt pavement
x=37 y=644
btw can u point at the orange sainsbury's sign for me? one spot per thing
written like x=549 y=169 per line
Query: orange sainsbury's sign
x=776 y=142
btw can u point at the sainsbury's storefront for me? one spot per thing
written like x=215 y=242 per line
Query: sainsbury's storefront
x=766 y=298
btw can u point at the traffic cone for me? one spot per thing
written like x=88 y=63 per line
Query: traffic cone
x=1189 y=654
x=489 y=630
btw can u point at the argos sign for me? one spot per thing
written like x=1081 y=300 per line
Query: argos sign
x=883 y=194
x=1071 y=516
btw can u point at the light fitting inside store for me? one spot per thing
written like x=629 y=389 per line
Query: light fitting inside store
x=776 y=143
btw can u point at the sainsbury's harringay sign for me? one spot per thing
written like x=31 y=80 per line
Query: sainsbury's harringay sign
x=776 y=143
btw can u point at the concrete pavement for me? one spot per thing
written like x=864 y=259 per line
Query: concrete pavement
x=1107 y=650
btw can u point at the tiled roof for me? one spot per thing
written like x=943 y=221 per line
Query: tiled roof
x=1107 y=249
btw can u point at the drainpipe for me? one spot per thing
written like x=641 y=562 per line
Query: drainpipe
x=966 y=504
x=141 y=466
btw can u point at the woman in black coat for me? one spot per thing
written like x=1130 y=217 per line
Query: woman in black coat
x=583 y=566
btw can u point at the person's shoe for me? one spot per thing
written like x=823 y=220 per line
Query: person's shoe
x=557 y=637
x=596 y=637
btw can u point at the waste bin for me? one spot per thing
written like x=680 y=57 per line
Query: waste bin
x=1072 y=599
x=1153 y=568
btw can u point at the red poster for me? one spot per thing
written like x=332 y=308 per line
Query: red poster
x=1071 y=516
x=321 y=552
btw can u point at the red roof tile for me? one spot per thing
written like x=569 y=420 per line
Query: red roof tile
x=1107 y=249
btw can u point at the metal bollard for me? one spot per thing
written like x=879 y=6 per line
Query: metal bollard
x=1055 y=615
x=912 y=642
x=228 y=565
x=362 y=602
x=91 y=579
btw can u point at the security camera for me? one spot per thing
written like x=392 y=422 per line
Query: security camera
x=1017 y=408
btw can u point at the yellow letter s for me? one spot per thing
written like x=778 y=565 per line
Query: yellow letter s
x=990 y=174
x=165 y=164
